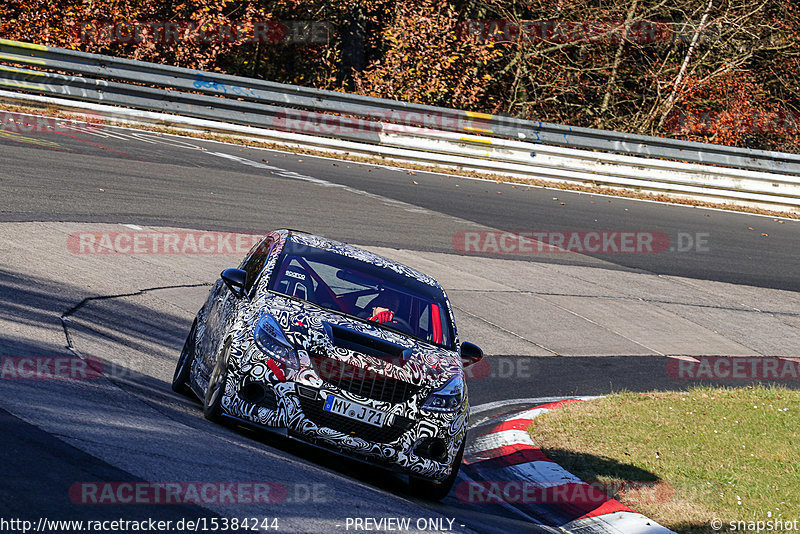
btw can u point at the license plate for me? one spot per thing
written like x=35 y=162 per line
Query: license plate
x=351 y=410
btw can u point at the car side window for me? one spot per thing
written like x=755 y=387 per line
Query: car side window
x=255 y=261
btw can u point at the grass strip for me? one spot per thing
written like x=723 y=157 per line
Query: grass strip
x=686 y=458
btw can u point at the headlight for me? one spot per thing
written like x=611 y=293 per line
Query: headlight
x=447 y=398
x=270 y=340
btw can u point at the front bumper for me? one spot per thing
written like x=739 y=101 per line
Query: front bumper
x=412 y=441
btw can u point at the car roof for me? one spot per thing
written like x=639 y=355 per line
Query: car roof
x=352 y=251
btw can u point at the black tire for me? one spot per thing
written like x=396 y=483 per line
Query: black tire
x=436 y=491
x=180 y=379
x=212 y=403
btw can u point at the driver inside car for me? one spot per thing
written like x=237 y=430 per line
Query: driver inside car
x=383 y=307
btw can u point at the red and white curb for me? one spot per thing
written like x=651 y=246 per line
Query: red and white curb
x=504 y=466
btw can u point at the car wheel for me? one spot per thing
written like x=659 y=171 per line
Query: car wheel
x=436 y=491
x=212 y=403
x=180 y=380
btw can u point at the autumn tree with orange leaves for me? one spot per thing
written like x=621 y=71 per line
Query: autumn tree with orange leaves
x=722 y=71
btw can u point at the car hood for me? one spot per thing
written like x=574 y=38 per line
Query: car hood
x=319 y=333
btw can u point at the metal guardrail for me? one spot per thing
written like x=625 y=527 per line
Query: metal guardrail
x=251 y=102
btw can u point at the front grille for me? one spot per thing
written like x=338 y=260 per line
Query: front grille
x=387 y=434
x=362 y=382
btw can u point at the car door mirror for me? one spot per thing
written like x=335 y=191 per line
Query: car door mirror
x=236 y=280
x=470 y=354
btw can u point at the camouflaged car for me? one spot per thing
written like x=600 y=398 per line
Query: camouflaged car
x=334 y=345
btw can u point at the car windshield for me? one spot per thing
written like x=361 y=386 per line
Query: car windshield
x=363 y=290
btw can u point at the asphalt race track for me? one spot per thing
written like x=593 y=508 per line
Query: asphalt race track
x=551 y=324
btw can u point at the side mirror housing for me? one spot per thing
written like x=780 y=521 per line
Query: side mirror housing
x=236 y=280
x=470 y=354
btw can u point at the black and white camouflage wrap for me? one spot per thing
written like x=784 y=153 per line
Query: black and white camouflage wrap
x=428 y=367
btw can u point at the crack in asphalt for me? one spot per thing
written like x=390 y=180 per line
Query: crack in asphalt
x=120 y=384
x=66 y=315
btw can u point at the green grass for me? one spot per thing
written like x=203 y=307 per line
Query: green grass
x=726 y=453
